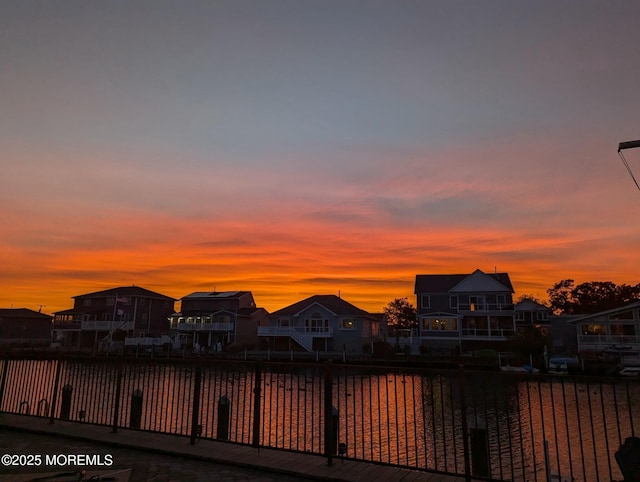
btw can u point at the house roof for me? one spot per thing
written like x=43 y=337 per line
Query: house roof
x=125 y=291
x=332 y=303
x=22 y=313
x=530 y=305
x=627 y=307
x=215 y=294
x=476 y=281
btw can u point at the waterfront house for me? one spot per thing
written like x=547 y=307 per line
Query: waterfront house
x=128 y=311
x=24 y=327
x=615 y=331
x=211 y=320
x=324 y=323
x=460 y=313
x=530 y=313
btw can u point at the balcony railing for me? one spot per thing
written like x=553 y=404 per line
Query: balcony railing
x=484 y=307
x=322 y=331
x=486 y=333
x=204 y=326
x=67 y=325
x=606 y=340
x=95 y=325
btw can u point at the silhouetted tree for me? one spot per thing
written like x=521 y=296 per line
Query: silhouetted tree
x=529 y=342
x=591 y=297
x=401 y=314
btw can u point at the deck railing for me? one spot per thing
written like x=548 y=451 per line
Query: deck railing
x=489 y=425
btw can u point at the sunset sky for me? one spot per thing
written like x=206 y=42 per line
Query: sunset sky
x=294 y=147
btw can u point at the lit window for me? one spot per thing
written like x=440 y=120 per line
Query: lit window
x=348 y=324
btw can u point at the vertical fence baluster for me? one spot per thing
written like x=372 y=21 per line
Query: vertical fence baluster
x=195 y=413
x=54 y=395
x=328 y=405
x=116 y=408
x=257 y=387
x=465 y=428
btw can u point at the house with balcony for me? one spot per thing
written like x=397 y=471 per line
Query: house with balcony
x=531 y=313
x=22 y=327
x=460 y=313
x=212 y=320
x=614 y=332
x=324 y=323
x=127 y=311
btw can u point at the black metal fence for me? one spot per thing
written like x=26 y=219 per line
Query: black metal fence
x=492 y=425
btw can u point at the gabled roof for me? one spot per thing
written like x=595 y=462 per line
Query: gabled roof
x=22 y=313
x=334 y=304
x=474 y=282
x=126 y=291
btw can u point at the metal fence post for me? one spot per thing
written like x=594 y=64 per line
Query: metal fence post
x=65 y=406
x=116 y=409
x=329 y=450
x=135 y=412
x=465 y=428
x=223 y=418
x=257 y=387
x=195 y=412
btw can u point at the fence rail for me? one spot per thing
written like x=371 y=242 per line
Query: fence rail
x=490 y=425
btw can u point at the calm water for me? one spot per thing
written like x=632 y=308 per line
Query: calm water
x=415 y=419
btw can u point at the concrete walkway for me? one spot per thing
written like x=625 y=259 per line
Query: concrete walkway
x=162 y=457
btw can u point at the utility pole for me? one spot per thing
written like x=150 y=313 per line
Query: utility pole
x=628 y=145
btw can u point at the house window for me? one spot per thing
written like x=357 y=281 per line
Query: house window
x=348 y=324
x=425 y=301
x=284 y=321
x=476 y=303
x=502 y=300
x=316 y=325
x=593 y=329
x=519 y=316
x=453 y=302
x=542 y=316
x=624 y=330
x=440 y=324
